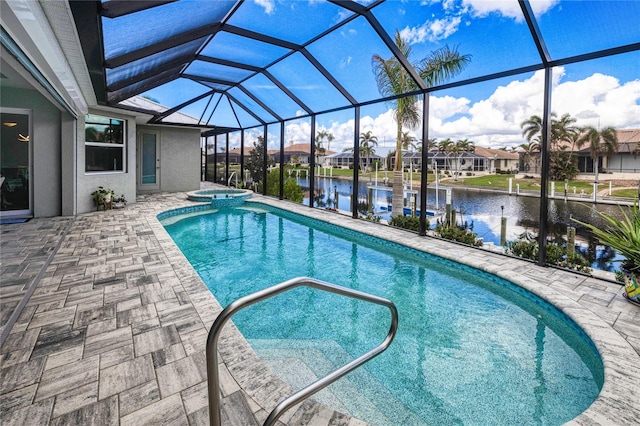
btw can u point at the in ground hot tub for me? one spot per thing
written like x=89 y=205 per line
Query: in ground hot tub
x=220 y=197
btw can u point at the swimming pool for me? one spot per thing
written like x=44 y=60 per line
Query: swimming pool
x=481 y=353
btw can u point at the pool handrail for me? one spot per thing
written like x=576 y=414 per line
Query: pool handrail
x=213 y=376
x=233 y=173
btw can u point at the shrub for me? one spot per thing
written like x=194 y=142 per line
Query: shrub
x=371 y=217
x=407 y=222
x=455 y=233
x=575 y=261
x=556 y=255
x=292 y=191
x=524 y=249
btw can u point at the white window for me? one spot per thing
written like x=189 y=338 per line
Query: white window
x=104 y=144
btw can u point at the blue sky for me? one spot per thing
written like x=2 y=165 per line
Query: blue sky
x=493 y=32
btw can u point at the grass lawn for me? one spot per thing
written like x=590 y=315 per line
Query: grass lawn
x=629 y=193
x=502 y=181
x=495 y=181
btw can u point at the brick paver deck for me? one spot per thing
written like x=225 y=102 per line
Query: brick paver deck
x=115 y=320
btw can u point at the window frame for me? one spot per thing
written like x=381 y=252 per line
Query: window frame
x=97 y=120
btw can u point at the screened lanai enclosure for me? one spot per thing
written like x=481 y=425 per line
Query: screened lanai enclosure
x=311 y=78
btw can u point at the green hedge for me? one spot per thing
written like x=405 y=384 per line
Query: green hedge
x=407 y=222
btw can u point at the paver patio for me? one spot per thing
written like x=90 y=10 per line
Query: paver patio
x=115 y=329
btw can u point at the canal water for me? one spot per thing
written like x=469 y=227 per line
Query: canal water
x=482 y=211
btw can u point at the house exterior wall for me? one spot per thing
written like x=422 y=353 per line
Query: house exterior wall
x=179 y=158
x=341 y=162
x=120 y=182
x=46 y=142
x=624 y=162
x=508 y=163
x=68 y=165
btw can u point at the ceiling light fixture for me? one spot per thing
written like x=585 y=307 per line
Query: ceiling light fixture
x=10 y=124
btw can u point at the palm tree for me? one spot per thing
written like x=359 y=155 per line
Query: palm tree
x=454 y=151
x=432 y=143
x=601 y=142
x=320 y=151
x=563 y=136
x=532 y=128
x=466 y=145
x=330 y=137
x=529 y=149
x=408 y=142
x=321 y=134
x=462 y=146
x=445 y=146
x=393 y=80
x=325 y=134
x=367 y=143
x=564 y=130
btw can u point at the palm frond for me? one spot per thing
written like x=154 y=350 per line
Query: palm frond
x=623 y=235
x=441 y=65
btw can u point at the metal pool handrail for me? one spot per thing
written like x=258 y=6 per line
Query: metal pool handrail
x=233 y=173
x=213 y=375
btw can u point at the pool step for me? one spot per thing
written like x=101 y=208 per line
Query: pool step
x=359 y=394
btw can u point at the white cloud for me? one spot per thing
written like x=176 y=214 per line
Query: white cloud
x=509 y=9
x=600 y=100
x=342 y=15
x=345 y=62
x=495 y=121
x=449 y=4
x=447 y=106
x=431 y=30
x=438 y=29
x=298 y=131
x=351 y=32
x=268 y=5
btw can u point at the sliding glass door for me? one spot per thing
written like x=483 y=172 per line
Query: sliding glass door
x=15 y=162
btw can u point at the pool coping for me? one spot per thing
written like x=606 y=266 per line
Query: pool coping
x=200 y=197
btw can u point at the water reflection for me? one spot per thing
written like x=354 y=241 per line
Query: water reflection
x=483 y=212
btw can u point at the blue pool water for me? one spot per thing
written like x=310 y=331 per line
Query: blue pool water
x=471 y=348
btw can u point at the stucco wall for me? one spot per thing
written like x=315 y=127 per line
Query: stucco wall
x=46 y=148
x=179 y=158
x=120 y=182
x=68 y=166
x=624 y=163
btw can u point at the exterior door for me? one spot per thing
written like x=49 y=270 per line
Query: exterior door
x=15 y=163
x=149 y=161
